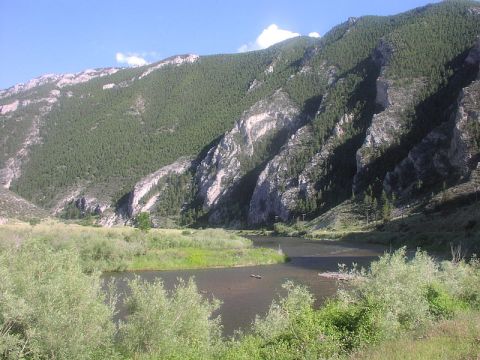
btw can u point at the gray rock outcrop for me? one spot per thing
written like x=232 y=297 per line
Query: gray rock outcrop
x=278 y=191
x=395 y=97
x=144 y=194
x=451 y=149
x=225 y=164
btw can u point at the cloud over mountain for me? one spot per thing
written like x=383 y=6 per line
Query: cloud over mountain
x=269 y=36
x=130 y=59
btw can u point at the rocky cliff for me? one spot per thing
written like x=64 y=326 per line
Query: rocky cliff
x=395 y=98
x=146 y=192
x=240 y=150
x=450 y=150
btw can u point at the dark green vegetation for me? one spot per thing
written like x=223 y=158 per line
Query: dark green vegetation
x=428 y=43
x=118 y=249
x=50 y=308
x=102 y=141
x=111 y=138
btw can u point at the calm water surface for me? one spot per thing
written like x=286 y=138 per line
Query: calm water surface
x=244 y=296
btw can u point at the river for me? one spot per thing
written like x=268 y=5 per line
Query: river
x=244 y=296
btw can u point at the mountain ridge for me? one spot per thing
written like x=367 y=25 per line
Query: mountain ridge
x=365 y=109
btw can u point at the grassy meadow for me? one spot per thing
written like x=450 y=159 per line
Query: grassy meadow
x=125 y=248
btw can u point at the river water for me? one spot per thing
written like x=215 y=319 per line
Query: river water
x=244 y=296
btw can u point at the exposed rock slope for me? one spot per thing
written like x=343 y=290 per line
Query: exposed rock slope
x=145 y=192
x=238 y=151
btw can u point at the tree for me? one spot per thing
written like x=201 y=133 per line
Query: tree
x=370 y=204
x=143 y=222
x=386 y=207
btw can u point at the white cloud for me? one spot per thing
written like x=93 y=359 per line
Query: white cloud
x=314 y=34
x=269 y=36
x=130 y=59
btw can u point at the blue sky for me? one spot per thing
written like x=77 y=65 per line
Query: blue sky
x=54 y=36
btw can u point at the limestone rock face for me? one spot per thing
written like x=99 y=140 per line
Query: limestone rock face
x=464 y=152
x=90 y=205
x=225 y=164
x=387 y=126
x=426 y=163
x=173 y=61
x=277 y=191
x=451 y=149
x=142 y=198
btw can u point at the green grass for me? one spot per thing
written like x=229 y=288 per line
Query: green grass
x=125 y=248
x=195 y=258
x=457 y=338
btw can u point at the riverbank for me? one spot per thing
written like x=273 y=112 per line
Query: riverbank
x=401 y=307
x=126 y=248
x=435 y=232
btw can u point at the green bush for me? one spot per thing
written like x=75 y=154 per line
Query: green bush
x=396 y=295
x=441 y=303
x=174 y=325
x=143 y=222
x=351 y=325
x=290 y=330
x=282 y=229
x=50 y=309
x=103 y=254
x=462 y=280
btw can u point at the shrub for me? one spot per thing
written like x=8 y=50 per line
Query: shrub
x=282 y=229
x=104 y=254
x=290 y=330
x=34 y=221
x=462 y=280
x=174 y=325
x=399 y=287
x=50 y=309
x=397 y=294
x=441 y=303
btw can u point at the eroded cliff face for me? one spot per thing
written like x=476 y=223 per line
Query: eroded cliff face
x=237 y=153
x=449 y=151
x=278 y=191
x=427 y=163
x=464 y=148
x=394 y=98
x=145 y=192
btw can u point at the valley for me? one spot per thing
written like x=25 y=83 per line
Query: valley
x=314 y=199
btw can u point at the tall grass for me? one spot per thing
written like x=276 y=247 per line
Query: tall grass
x=122 y=248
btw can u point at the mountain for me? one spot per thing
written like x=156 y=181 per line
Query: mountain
x=379 y=105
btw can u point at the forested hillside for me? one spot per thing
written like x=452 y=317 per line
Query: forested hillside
x=293 y=130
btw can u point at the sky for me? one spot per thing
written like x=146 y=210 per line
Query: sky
x=63 y=36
